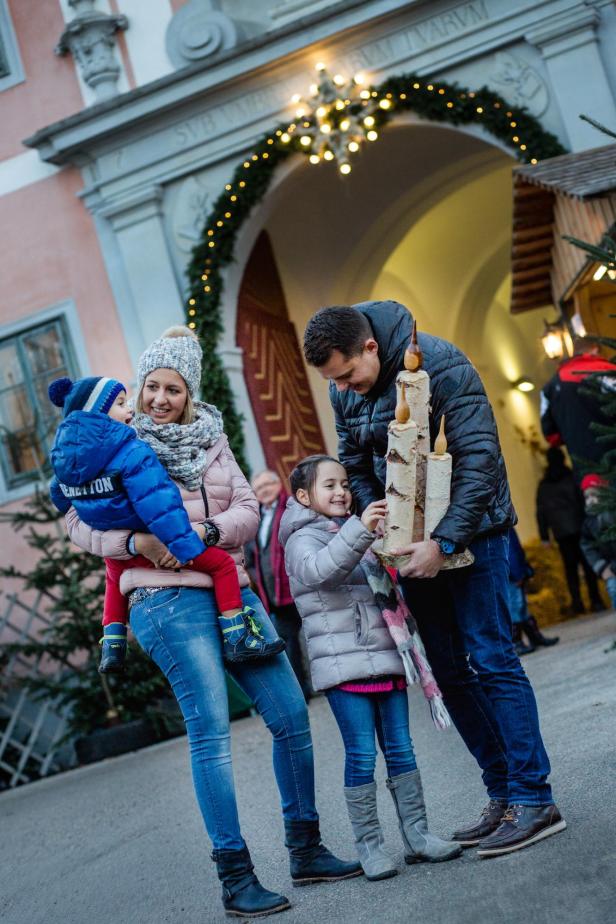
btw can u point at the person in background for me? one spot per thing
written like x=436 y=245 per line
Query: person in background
x=520 y=571
x=599 y=549
x=560 y=510
x=265 y=562
x=567 y=411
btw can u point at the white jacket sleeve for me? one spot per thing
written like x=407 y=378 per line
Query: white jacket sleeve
x=316 y=565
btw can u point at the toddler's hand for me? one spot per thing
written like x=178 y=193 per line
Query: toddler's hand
x=373 y=513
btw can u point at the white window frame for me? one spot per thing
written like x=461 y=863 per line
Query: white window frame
x=11 y=49
x=66 y=312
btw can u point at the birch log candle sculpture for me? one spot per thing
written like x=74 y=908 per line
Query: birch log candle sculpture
x=417 y=482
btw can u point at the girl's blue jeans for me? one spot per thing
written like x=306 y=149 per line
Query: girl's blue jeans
x=178 y=628
x=359 y=717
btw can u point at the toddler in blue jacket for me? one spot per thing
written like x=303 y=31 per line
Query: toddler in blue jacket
x=115 y=481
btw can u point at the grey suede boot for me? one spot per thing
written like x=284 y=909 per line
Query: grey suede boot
x=361 y=805
x=420 y=844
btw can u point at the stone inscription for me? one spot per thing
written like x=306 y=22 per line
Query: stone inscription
x=237 y=112
x=420 y=36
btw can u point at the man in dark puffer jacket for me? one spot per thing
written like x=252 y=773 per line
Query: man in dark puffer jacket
x=461 y=613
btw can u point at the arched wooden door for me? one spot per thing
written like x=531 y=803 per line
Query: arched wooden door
x=280 y=395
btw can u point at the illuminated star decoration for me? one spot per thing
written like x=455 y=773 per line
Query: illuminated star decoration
x=337 y=118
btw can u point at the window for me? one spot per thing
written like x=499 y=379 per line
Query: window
x=11 y=71
x=4 y=64
x=29 y=361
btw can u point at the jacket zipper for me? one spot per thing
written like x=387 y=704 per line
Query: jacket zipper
x=205 y=503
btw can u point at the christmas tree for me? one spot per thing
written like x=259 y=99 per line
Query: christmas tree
x=67 y=651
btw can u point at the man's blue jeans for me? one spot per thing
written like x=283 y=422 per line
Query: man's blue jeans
x=359 y=717
x=178 y=628
x=464 y=621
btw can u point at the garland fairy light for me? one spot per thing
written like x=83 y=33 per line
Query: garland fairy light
x=331 y=125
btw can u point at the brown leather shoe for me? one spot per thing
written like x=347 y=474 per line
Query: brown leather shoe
x=521 y=826
x=488 y=822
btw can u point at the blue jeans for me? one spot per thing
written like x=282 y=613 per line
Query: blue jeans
x=517 y=603
x=359 y=716
x=610 y=586
x=464 y=621
x=178 y=628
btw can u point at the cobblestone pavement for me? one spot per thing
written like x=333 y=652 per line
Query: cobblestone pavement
x=122 y=842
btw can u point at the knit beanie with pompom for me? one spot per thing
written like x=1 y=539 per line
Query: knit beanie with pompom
x=178 y=348
x=95 y=393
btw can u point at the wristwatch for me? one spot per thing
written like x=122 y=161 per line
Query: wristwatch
x=212 y=533
x=446 y=546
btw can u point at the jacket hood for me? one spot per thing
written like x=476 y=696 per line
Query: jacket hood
x=85 y=444
x=297 y=516
x=392 y=324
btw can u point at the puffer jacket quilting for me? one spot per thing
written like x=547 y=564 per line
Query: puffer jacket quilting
x=480 y=498
x=115 y=480
x=346 y=635
x=231 y=506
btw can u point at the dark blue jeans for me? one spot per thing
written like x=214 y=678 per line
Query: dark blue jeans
x=359 y=716
x=178 y=628
x=464 y=621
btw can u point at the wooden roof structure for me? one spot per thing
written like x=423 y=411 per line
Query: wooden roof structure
x=572 y=194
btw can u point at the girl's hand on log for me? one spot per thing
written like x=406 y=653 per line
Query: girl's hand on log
x=373 y=514
x=425 y=559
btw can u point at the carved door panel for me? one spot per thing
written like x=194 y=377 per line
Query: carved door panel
x=276 y=380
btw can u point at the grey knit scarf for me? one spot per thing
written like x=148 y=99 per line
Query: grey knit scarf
x=182 y=448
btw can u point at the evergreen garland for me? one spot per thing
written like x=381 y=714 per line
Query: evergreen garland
x=436 y=101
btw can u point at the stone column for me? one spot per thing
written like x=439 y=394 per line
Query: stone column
x=569 y=46
x=153 y=300
x=233 y=362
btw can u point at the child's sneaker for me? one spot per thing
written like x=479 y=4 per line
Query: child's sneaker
x=113 y=648
x=242 y=638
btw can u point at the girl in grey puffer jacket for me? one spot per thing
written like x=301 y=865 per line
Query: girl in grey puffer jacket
x=353 y=658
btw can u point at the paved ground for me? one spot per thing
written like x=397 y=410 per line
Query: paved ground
x=121 y=842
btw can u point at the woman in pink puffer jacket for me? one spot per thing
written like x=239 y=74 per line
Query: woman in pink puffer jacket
x=173 y=616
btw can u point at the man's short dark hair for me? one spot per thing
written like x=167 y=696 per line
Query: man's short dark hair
x=339 y=327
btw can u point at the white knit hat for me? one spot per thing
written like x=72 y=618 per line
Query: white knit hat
x=177 y=349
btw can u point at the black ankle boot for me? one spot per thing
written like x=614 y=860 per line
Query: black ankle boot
x=243 y=896
x=311 y=861
x=536 y=636
x=520 y=647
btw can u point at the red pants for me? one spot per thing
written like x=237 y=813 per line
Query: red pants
x=213 y=561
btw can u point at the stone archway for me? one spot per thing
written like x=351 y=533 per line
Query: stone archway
x=415 y=240
x=436 y=102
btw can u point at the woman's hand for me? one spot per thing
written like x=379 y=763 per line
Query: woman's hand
x=199 y=529
x=151 y=547
x=373 y=514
